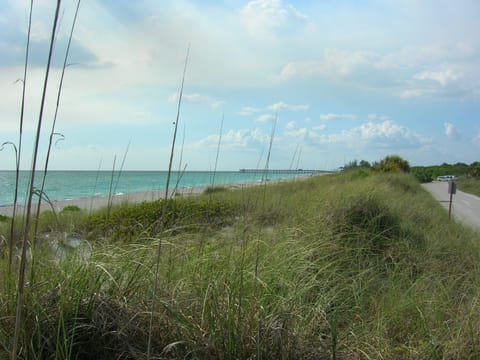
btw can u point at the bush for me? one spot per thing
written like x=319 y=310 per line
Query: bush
x=392 y=163
x=423 y=175
x=214 y=189
x=366 y=223
x=70 y=208
x=127 y=222
x=474 y=169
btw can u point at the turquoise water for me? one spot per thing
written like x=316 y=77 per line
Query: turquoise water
x=63 y=185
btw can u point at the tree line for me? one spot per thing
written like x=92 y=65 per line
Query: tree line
x=422 y=173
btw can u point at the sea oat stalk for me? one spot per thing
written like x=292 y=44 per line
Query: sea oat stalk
x=164 y=209
x=26 y=235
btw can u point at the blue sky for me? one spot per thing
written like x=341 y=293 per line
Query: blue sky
x=344 y=79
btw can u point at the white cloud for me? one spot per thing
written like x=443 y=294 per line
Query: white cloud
x=330 y=117
x=282 y=106
x=445 y=82
x=241 y=138
x=248 y=111
x=414 y=93
x=293 y=130
x=265 y=17
x=291 y=125
x=451 y=131
x=386 y=129
x=320 y=127
x=265 y=118
x=396 y=71
x=386 y=134
x=334 y=63
x=195 y=99
x=442 y=77
x=378 y=117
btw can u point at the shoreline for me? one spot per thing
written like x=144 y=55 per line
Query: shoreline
x=93 y=203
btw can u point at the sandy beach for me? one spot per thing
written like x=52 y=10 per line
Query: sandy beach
x=97 y=202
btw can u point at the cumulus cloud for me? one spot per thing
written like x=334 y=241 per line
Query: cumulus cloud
x=330 y=117
x=386 y=133
x=248 y=111
x=266 y=17
x=293 y=130
x=378 y=117
x=442 y=77
x=320 y=127
x=265 y=118
x=278 y=106
x=334 y=63
x=415 y=93
x=195 y=99
x=446 y=81
x=395 y=71
x=282 y=106
x=241 y=138
x=451 y=132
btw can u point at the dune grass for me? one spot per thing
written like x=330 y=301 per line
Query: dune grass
x=341 y=266
x=469 y=184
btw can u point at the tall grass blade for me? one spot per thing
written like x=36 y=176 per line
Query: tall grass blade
x=95 y=185
x=218 y=149
x=57 y=106
x=26 y=235
x=121 y=167
x=164 y=210
x=20 y=136
x=180 y=172
x=12 y=221
x=110 y=195
x=267 y=162
x=294 y=156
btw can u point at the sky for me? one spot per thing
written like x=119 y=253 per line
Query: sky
x=319 y=83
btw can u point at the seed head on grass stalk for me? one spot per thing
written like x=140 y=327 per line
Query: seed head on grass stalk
x=110 y=196
x=26 y=235
x=20 y=136
x=57 y=106
x=164 y=210
x=12 y=222
x=218 y=150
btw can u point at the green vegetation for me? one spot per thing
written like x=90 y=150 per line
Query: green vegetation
x=338 y=266
x=468 y=176
x=430 y=173
x=469 y=184
x=355 y=165
x=392 y=163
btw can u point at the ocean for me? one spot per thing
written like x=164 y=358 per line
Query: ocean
x=68 y=185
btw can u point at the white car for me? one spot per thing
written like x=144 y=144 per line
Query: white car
x=446 y=178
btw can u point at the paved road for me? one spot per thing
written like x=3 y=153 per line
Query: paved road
x=465 y=207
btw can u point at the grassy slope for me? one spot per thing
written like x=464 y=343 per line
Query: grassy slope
x=469 y=185
x=348 y=265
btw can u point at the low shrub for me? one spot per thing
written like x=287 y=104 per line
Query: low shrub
x=70 y=208
x=214 y=189
x=130 y=221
